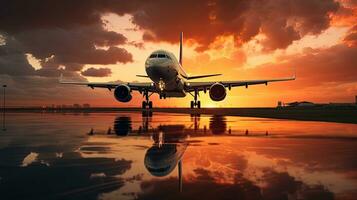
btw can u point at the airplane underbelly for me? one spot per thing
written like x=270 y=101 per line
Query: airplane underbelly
x=174 y=88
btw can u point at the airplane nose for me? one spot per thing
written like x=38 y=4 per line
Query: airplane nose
x=157 y=72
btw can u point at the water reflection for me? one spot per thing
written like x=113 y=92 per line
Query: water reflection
x=170 y=156
x=122 y=126
x=218 y=124
x=166 y=153
x=168 y=146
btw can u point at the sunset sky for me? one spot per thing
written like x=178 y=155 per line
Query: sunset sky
x=109 y=40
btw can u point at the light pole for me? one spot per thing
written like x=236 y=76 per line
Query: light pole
x=4 y=109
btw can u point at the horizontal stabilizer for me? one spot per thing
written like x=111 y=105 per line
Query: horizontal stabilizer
x=200 y=76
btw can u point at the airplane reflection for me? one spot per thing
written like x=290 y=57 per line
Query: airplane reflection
x=122 y=126
x=169 y=140
x=166 y=153
x=218 y=124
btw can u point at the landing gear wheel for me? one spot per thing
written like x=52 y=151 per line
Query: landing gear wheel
x=143 y=105
x=195 y=102
x=150 y=104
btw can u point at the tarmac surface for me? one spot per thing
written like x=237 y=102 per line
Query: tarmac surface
x=338 y=114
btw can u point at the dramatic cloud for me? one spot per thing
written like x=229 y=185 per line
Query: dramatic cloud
x=60 y=40
x=76 y=45
x=63 y=14
x=13 y=61
x=101 y=72
x=282 y=22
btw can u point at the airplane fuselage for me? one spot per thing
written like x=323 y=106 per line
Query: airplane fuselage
x=166 y=72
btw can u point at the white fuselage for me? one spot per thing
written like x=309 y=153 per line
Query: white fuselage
x=167 y=74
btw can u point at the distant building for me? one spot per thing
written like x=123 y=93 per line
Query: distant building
x=301 y=104
x=325 y=105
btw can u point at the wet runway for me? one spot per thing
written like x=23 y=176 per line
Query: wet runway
x=134 y=155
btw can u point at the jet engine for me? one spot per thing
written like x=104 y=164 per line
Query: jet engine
x=217 y=92
x=122 y=93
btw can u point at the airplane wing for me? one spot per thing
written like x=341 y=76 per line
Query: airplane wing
x=111 y=85
x=200 y=76
x=192 y=86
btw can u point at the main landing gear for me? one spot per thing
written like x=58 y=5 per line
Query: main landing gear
x=195 y=102
x=146 y=103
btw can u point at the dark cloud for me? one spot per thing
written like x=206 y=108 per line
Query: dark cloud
x=282 y=22
x=101 y=72
x=75 y=45
x=70 y=34
x=63 y=14
x=13 y=61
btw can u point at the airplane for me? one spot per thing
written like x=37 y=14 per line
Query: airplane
x=169 y=80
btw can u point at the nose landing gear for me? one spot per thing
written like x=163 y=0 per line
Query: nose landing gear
x=195 y=102
x=162 y=96
x=146 y=103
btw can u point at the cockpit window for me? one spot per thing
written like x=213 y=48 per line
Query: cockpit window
x=161 y=56
x=153 y=55
x=167 y=56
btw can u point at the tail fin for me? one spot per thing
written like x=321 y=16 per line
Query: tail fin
x=181 y=41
